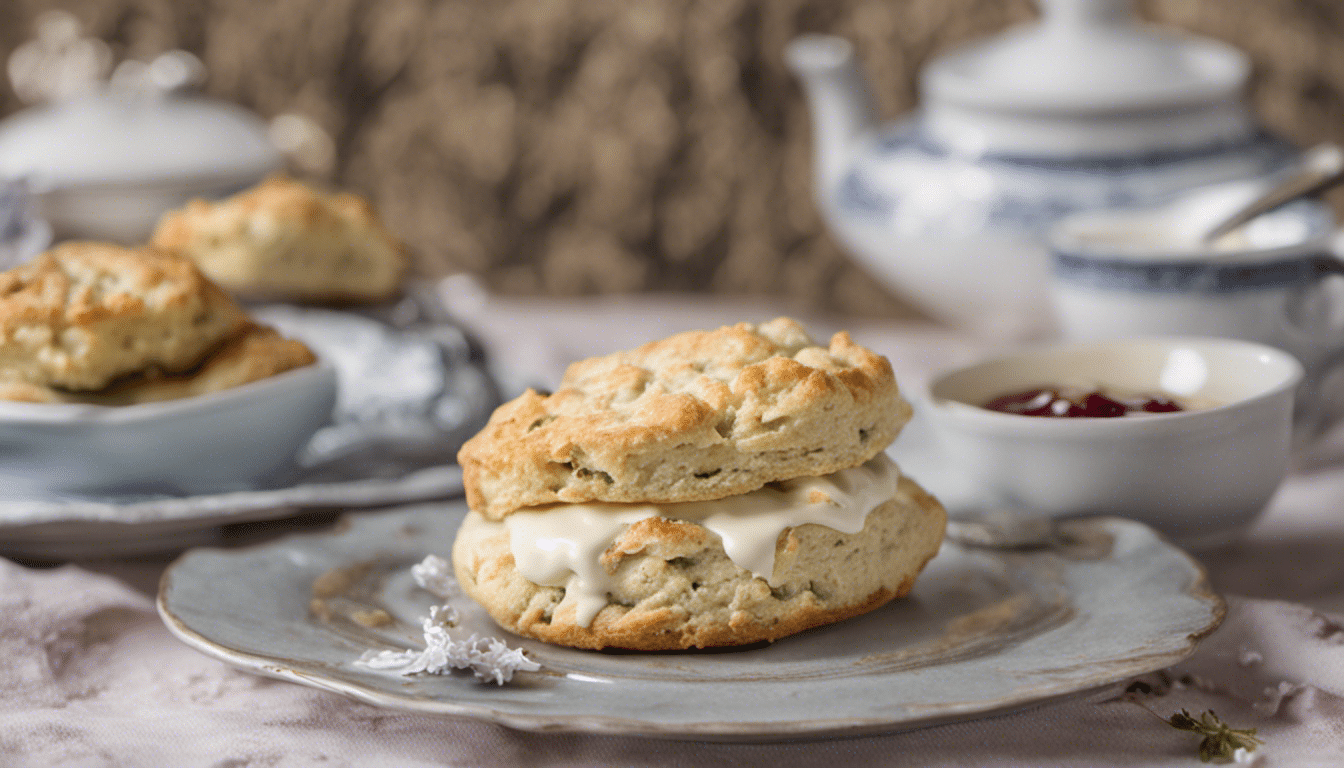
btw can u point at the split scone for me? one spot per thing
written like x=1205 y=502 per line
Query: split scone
x=283 y=239
x=101 y=323
x=715 y=488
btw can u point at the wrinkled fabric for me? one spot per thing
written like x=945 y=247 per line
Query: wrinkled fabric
x=92 y=678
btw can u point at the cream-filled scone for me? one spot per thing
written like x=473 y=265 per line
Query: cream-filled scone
x=717 y=488
x=284 y=239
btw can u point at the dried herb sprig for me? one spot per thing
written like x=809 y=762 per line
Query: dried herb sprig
x=1221 y=741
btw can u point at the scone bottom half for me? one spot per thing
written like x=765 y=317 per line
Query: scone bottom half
x=697 y=417
x=673 y=587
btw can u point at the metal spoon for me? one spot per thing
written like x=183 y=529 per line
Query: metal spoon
x=1322 y=167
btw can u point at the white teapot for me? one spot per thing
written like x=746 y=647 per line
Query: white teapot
x=105 y=157
x=1084 y=109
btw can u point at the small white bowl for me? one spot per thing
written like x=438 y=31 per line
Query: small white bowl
x=213 y=443
x=1200 y=476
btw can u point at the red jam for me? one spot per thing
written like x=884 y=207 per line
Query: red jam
x=1063 y=402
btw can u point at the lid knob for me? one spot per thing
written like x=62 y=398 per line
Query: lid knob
x=58 y=63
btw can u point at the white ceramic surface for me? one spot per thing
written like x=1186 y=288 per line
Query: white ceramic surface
x=983 y=632
x=127 y=213
x=141 y=138
x=950 y=207
x=1199 y=476
x=217 y=442
x=1086 y=77
x=1145 y=272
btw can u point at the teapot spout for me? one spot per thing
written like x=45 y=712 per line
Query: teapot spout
x=842 y=107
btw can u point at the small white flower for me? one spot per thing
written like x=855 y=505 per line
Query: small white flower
x=441 y=615
x=435 y=575
x=1244 y=756
x=498 y=662
x=489 y=659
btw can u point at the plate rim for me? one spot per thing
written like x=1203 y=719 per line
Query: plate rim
x=166 y=525
x=709 y=730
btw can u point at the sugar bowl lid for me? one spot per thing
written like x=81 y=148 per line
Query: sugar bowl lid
x=144 y=127
x=1087 y=56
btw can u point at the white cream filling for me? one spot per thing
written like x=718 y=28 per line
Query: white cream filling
x=560 y=545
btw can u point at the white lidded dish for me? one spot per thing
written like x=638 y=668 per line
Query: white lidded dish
x=108 y=163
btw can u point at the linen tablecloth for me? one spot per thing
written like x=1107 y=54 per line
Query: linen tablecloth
x=89 y=676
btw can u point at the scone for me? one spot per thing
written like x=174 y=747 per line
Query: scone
x=257 y=352
x=100 y=323
x=84 y=314
x=713 y=489
x=284 y=239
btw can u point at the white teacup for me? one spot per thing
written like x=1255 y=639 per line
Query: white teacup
x=1129 y=273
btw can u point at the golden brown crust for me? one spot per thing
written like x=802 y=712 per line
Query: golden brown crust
x=257 y=352
x=84 y=314
x=677 y=589
x=700 y=415
x=284 y=239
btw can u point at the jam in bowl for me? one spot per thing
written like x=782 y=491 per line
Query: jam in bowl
x=1082 y=402
x=1199 y=475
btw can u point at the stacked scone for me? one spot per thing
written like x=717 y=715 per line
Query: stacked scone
x=99 y=323
x=714 y=488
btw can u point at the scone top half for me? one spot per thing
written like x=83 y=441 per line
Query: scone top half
x=698 y=416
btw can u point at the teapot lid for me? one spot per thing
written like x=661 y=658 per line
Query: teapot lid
x=1087 y=57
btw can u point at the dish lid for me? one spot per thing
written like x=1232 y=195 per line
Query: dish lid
x=1087 y=57
x=144 y=129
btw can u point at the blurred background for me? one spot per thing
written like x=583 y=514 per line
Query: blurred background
x=570 y=147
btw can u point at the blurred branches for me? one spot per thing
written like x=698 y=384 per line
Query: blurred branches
x=580 y=146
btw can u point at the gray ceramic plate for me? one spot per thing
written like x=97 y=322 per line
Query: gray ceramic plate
x=984 y=631
x=117 y=527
